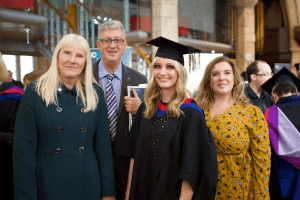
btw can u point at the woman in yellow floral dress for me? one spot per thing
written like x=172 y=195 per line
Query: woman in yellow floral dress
x=240 y=133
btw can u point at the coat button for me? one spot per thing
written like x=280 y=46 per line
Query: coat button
x=60 y=129
x=83 y=130
x=57 y=150
x=81 y=149
x=58 y=109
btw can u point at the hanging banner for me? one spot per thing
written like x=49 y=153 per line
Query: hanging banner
x=16 y=3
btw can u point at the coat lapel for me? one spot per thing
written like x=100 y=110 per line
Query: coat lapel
x=166 y=138
x=125 y=83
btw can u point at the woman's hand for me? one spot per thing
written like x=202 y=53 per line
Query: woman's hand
x=129 y=179
x=186 y=191
x=109 y=198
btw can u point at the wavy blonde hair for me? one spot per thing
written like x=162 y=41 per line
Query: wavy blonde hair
x=205 y=94
x=48 y=83
x=153 y=92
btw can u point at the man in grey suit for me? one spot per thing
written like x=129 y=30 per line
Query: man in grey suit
x=111 y=43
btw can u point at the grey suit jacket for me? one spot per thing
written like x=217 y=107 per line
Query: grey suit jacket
x=133 y=78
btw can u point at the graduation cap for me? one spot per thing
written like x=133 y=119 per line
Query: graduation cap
x=283 y=76
x=172 y=50
x=297 y=66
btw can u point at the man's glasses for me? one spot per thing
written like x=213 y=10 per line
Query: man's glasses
x=109 y=41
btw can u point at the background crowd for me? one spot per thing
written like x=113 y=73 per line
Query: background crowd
x=67 y=136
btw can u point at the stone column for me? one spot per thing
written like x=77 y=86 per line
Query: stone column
x=126 y=15
x=245 y=45
x=164 y=20
x=293 y=18
x=18 y=66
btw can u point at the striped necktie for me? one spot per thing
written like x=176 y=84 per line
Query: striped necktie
x=111 y=103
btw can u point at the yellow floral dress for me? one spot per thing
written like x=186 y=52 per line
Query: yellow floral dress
x=243 y=152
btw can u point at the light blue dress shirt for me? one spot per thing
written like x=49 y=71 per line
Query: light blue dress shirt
x=117 y=81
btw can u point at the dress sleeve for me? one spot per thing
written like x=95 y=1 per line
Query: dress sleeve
x=261 y=153
x=199 y=158
x=103 y=150
x=25 y=148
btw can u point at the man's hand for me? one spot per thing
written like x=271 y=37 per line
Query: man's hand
x=132 y=104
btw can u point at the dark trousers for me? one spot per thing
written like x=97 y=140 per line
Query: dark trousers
x=121 y=176
x=120 y=194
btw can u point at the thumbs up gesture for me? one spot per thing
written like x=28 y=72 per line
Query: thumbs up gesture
x=132 y=104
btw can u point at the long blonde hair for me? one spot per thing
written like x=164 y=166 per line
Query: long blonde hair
x=48 y=83
x=205 y=94
x=153 y=92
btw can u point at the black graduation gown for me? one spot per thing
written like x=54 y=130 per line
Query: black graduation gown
x=8 y=113
x=186 y=152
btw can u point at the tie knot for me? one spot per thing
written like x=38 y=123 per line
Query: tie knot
x=110 y=76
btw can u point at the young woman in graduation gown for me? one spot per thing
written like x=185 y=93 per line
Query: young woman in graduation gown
x=172 y=152
x=240 y=133
x=62 y=147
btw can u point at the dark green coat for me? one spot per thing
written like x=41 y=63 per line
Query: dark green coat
x=62 y=155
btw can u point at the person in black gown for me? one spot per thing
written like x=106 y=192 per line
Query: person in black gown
x=171 y=150
x=283 y=118
x=10 y=97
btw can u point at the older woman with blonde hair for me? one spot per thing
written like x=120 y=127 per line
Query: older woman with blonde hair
x=62 y=146
x=239 y=130
x=171 y=149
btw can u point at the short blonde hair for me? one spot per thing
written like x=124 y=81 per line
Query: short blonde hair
x=205 y=94
x=153 y=92
x=48 y=83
